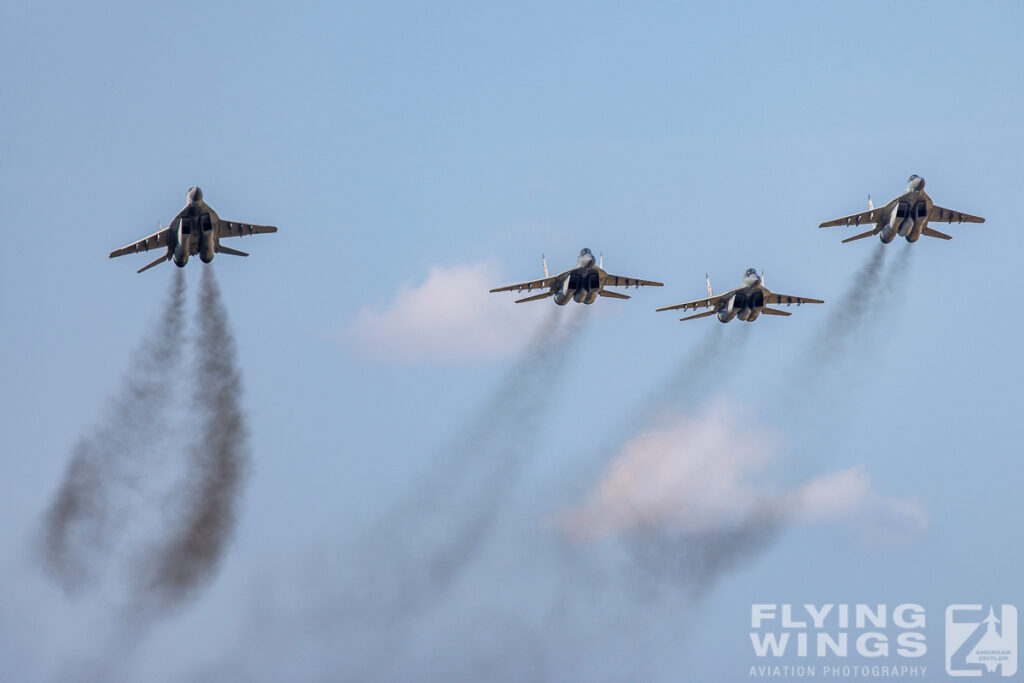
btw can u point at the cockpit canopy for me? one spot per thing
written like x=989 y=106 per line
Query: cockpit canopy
x=751 y=272
x=586 y=252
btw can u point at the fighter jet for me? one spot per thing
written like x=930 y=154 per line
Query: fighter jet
x=197 y=229
x=745 y=303
x=582 y=284
x=907 y=215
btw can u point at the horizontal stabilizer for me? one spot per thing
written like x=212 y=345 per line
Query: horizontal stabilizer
x=861 y=236
x=612 y=295
x=928 y=232
x=221 y=249
x=165 y=257
x=699 y=315
x=536 y=297
x=774 y=311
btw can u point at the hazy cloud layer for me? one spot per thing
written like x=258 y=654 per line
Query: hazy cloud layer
x=707 y=472
x=449 y=316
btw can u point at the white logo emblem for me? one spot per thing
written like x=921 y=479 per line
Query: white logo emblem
x=981 y=641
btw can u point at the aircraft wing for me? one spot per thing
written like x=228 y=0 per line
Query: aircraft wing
x=709 y=302
x=862 y=218
x=941 y=215
x=771 y=298
x=157 y=239
x=544 y=283
x=619 y=281
x=235 y=229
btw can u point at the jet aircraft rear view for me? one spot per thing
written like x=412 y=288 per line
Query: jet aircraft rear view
x=746 y=303
x=907 y=216
x=582 y=284
x=195 y=230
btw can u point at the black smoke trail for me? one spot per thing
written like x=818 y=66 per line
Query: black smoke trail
x=896 y=275
x=692 y=560
x=84 y=519
x=695 y=560
x=501 y=438
x=446 y=518
x=418 y=551
x=850 y=313
x=218 y=460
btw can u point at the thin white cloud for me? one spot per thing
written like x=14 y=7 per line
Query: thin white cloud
x=449 y=316
x=703 y=473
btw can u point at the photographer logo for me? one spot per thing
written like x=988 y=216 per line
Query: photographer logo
x=981 y=640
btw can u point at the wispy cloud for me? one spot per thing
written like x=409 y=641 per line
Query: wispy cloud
x=697 y=474
x=449 y=316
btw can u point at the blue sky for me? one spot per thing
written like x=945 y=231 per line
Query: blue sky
x=387 y=140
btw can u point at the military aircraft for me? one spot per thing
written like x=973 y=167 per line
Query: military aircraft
x=197 y=229
x=746 y=302
x=582 y=284
x=907 y=215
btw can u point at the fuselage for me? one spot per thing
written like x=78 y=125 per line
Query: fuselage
x=907 y=214
x=745 y=303
x=581 y=284
x=194 y=230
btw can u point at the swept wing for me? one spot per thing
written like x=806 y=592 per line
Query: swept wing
x=870 y=217
x=235 y=229
x=543 y=283
x=772 y=298
x=941 y=215
x=619 y=281
x=157 y=239
x=707 y=302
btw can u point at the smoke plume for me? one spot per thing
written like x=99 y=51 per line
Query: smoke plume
x=851 y=311
x=691 y=500
x=217 y=460
x=124 y=475
x=499 y=440
x=657 y=441
x=896 y=275
x=414 y=556
x=84 y=520
x=451 y=509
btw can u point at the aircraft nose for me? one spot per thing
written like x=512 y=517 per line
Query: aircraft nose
x=195 y=194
